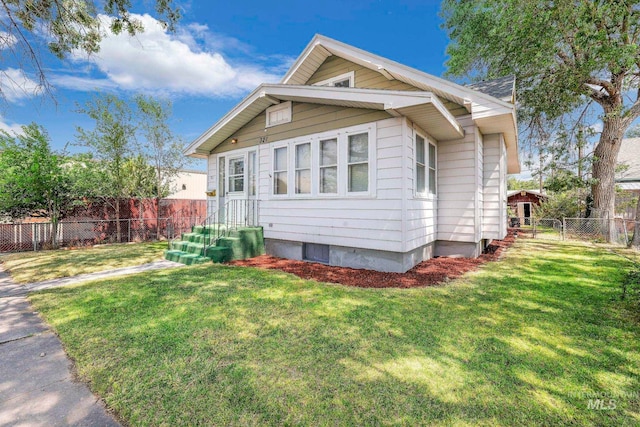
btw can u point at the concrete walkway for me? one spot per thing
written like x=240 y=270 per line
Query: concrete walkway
x=36 y=384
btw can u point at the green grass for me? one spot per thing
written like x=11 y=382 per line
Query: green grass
x=523 y=341
x=27 y=267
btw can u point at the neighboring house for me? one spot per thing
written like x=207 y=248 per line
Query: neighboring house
x=359 y=161
x=628 y=179
x=523 y=203
x=189 y=185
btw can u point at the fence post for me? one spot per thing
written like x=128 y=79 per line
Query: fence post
x=564 y=227
x=129 y=228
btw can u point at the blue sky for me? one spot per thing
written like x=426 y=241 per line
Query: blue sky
x=220 y=51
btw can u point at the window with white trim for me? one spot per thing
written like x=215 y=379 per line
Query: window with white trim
x=343 y=80
x=358 y=163
x=280 y=170
x=329 y=166
x=432 y=169
x=279 y=114
x=253 y=170
x=236 y=175
x=421 y=167
x=303 y=168
x=425 y=166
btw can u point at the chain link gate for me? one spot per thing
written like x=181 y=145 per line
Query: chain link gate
x=547 y=228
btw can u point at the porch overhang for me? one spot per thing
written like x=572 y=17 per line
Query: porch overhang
x=422 y=108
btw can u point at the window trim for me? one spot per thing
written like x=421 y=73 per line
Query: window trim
x=434 y=168
x=416 y=163
x=244 y=173
x=278 y=107
x=351 y=75
x=341 y=135
x=367 y=162
x=296 y=169
x=274 y=171
x=428 y=141
x=335 y=165
x=252 y=172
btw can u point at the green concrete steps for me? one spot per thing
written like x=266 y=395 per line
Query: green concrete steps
x=242 y=243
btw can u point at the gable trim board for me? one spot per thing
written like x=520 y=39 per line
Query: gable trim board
x=421 y=107
x=391 y=227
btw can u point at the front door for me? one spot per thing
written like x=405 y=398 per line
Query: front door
x=235 y=209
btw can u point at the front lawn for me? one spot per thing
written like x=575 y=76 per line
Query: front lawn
x=28 y=267
x=528 y=340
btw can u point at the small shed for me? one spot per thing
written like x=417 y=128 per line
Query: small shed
x=522 y=204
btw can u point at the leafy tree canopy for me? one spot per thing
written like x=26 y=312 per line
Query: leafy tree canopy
x=564 y=54
x=37 y=181
x=67 y=25
x=522 y=184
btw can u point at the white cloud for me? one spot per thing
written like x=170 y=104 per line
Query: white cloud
x=7 y=40
x=16 y=86
x=184 y=63
x=12 y=128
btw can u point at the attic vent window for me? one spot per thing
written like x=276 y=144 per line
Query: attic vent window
x=279 y=114
x=184 y=186
x=343 y=80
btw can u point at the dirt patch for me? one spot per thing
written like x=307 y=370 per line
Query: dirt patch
x=431 y=272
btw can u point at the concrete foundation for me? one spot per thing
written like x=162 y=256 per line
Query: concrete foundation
x=459 y=249
x=342 y=256
x=283 y=249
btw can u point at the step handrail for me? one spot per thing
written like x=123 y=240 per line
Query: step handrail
x=233 y=210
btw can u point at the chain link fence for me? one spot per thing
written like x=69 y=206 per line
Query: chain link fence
x=16 y=237
x=617 y=231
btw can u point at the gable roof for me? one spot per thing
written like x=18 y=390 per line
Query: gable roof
x=533 y=192
x=491 y=115
x=421 y=107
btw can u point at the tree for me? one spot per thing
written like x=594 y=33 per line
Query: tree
x=564 y=54
x=567 y=204
x=518 y=184
x=111 y=143
x=160 y=147
x=68 y=26
x=563 y=180
x=36 y=181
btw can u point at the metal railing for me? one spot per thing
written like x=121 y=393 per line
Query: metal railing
x=236 y=214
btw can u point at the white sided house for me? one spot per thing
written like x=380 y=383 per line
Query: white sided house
x=355 y=160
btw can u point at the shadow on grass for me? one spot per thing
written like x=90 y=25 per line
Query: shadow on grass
x=523 y=341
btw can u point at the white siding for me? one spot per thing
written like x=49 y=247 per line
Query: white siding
x=458 y=194
x=370 y=222
x=494 y=206
x=420 y=211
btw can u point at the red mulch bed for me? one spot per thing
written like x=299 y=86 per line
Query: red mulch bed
x=427 y=273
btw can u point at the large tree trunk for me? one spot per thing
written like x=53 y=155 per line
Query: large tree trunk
x=604 y=167
x=635 y=242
